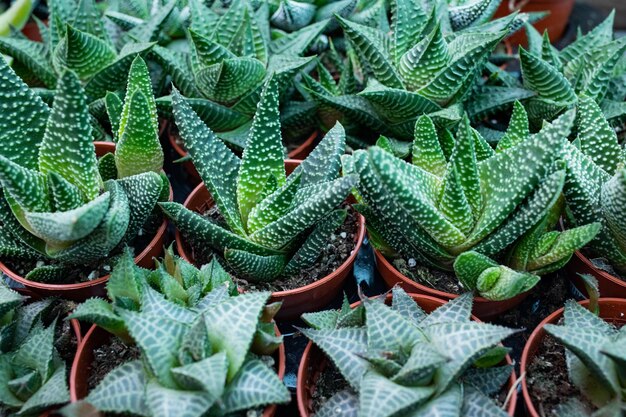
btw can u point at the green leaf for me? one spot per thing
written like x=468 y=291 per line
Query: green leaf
x=263 y=156
x=422 y=61
x=53 y=392
x=25 y=189
x=229 y=79
x=256 y=268
x=25 y=115
x=32 y=55
x=342 y=404
x=100 y=312
x=122 y=390
x=427 y=152
x=518 y=130
x=83 y=53
x=476 y=404
x=231 y=326
x=207 y=375
x=545 y=80
x=67 y=148
x=324 y=162
x=172 y=402
x=408 y=20
x=381 y=397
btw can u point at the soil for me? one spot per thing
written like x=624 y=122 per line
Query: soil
x=329 y=382
x=85 y=273
x=108 y=357
x=547 y=378
x=336 y=252
x=433 y=278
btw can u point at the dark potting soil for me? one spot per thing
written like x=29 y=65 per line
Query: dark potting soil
x=64 y=336
x=603 y=264
x=108 y=357
x=336 y=252
x=547 y=378
x=430 y=277
x=329 y=382
x=84 y=273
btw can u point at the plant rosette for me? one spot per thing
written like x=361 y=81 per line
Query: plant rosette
x=97 y=337
x=483 y=308
x=298 y=300
x=593 y=339
x=96 y=287
x=314 y=361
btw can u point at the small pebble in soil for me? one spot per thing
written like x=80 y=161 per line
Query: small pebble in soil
x=433 y=278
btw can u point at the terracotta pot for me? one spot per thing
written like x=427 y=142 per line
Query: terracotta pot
x=314 y=362
x=299 y=300
x=555 y=22
x=611 y=309
x=609 y=285
x=300 y=152
x=97 y=336
x=483 y=309
x=31 y=31
x=95 y=288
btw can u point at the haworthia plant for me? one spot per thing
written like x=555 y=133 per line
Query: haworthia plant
x=592 y=66
x=203 y=351
x=596 y=362
x=461 y=204
x=60 y=204
x=274 y=224
x=595 y=187
x=418 y=66
x=33 y=377
x=400 y=361
x=229 y=59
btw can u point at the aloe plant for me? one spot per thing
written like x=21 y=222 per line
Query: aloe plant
x=595 y=188
x=60 y=203
x=33 y=377
x=596 y=362
x=230 y=57
x=199 y=359
x=427 y=63
x=592 y=65
x=274 y=224
x=461 y=202
x=15 y=16
x=399 y=361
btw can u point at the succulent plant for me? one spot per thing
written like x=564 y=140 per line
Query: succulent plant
x=33 y=376
x=595 y=188
x=592 y=65
x=460 y=202
x=15 y=16
x=60 y=204
x=195 y=360
x=230 y=57
x=596 y=362
x=273 y=224
x=399 y=361
x=425 y=64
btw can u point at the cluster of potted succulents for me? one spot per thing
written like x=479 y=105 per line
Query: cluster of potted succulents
x=307 y=126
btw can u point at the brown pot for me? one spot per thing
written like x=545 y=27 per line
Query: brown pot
x=300 y=152
x=95 y=288
x=299 y=300
x=31 y=31
x=611 y=309
x=97 y=336
x=555 y=22
x=314 y=362
x=483 y=309
x=609 y=285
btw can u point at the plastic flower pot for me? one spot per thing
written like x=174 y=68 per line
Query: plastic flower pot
x=611 y=309
x=80 y=291
x=301 y=152
x=483 y=309
x=96 y=336
x=555 y=22
x=314 y=362
x=300 y=300
x=31 y=31
x=609 y=285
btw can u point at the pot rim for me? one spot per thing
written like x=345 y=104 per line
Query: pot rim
x=537 y=335
x=602 y=273
x=360 y=235
x=159 y=234
x=304 y=361
x=268 y=411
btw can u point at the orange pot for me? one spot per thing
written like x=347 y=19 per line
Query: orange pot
x=97 y=336
x=314 y=362
x=297 y=301
x=611 y=309
x=301 y=152
x=555 y=22
x=95 y=288
x=483 y=309
x=609 y=285
x=31 y=31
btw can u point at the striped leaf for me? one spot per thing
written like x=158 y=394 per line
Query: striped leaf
x=83 y=53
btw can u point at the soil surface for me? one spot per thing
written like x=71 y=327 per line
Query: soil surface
x=430 y=277
x=108 y=357
x=330 y=382
x=336 y=252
